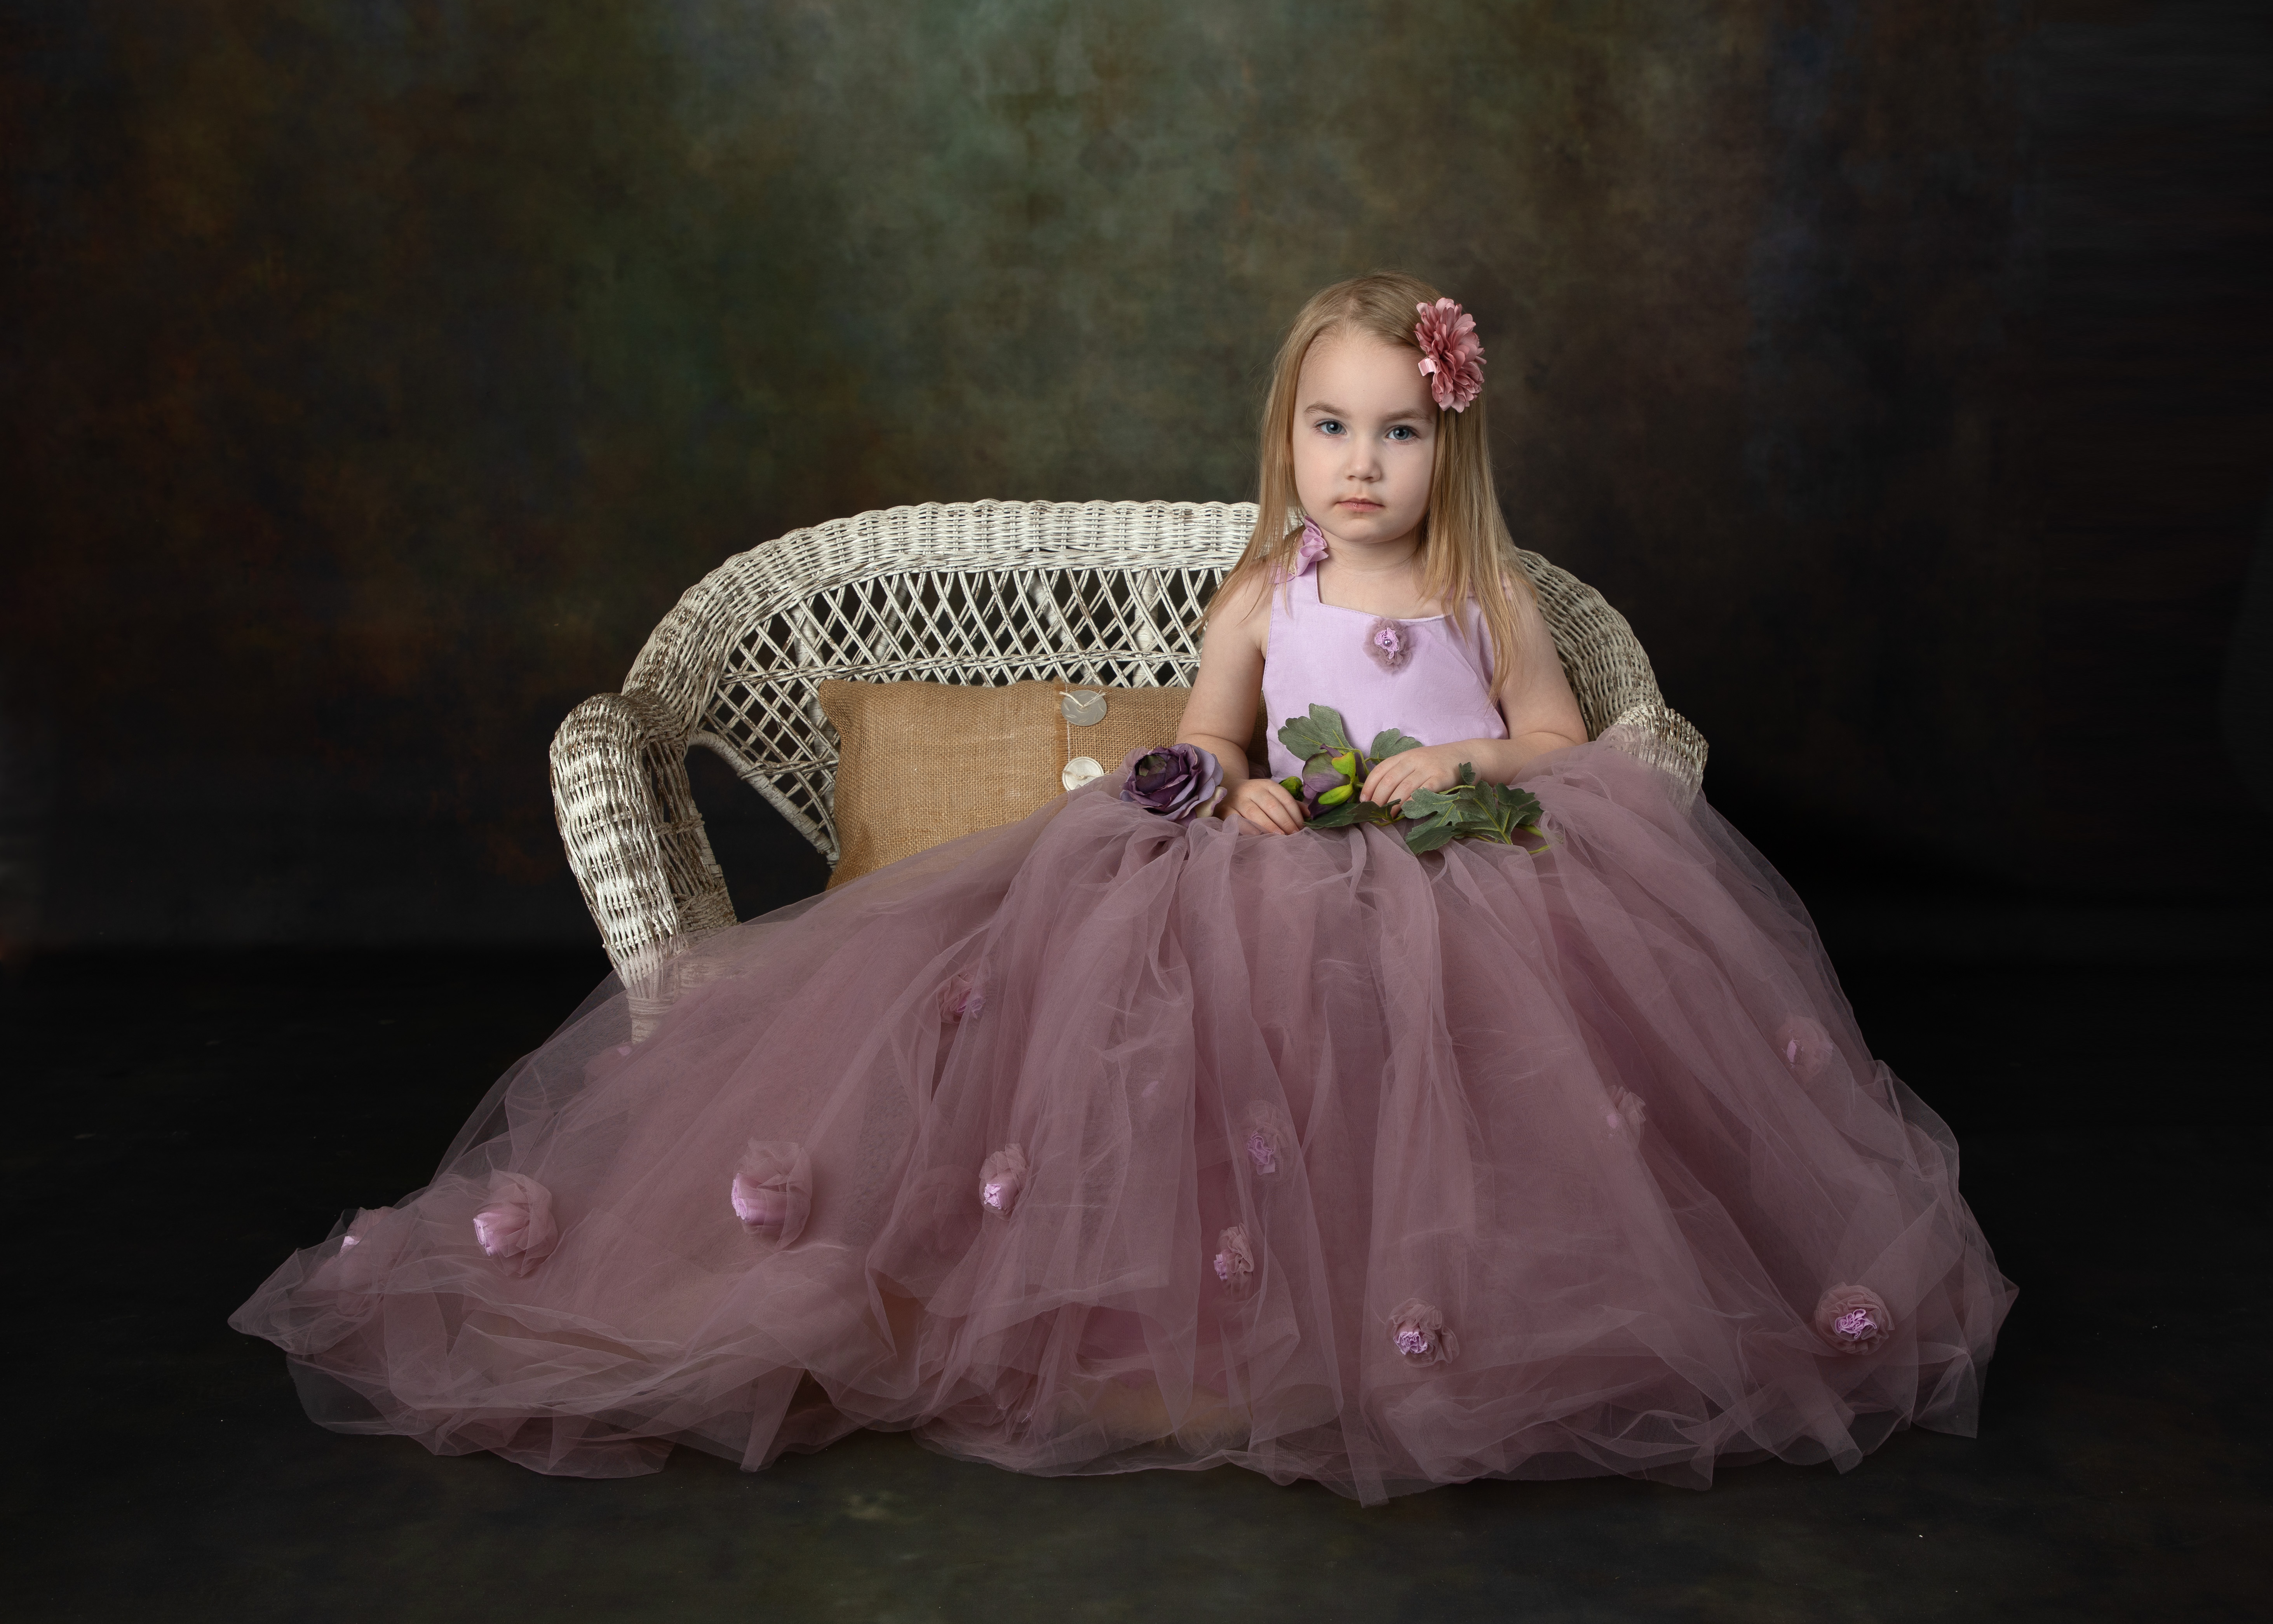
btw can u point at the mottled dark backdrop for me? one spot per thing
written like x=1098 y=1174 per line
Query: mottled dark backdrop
x=376 y=373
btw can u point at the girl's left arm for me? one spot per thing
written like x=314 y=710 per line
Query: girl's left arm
x=1534 y=699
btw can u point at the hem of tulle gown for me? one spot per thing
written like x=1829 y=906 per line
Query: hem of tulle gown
x=790 y=1415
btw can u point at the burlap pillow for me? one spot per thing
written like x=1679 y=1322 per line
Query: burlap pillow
x=919 y=763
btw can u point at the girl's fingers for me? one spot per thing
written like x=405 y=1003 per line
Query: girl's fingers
x=1269 y=808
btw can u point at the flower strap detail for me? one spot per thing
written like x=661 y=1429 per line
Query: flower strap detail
x=1307 y=551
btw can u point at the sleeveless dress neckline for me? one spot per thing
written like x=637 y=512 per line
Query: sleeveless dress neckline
x=1402 y=620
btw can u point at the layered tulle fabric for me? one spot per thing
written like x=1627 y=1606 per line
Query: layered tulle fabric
x=1100 y=1142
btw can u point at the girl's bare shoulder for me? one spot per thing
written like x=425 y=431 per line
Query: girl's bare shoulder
x=1243 y=607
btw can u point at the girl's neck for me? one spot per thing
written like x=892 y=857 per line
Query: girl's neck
x=1376 y=560
x=1379 y=578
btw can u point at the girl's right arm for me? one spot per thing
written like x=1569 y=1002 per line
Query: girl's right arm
x=1220 y=717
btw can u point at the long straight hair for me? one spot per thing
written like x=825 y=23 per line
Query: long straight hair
x=1466 y=551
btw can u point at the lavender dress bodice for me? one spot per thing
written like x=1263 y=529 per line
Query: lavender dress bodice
x=1440 y=692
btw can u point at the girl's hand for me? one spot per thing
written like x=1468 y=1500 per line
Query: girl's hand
x=1432 y=766
x=1266 y=806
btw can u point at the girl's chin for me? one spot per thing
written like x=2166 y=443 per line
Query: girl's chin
x=1366 y=524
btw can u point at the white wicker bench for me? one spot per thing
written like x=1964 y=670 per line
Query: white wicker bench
x=1088 y=593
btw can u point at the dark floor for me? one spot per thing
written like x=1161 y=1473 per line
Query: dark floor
x=181 y=1122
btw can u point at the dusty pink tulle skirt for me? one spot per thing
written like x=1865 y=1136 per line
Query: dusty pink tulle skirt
x=1095 y=1143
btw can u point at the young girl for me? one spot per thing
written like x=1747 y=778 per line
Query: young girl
x=1111 y=1139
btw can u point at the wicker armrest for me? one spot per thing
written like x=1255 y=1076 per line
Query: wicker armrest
x=1653 y=732
x=633 y=838
x=1611 y=677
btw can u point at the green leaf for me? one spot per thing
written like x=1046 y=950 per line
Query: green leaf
x=1510 y=810
x=1427 y=836
x=1326 y=716
x=1335 y=797
x=1428 y=803
x=1339 y=817
x=1467 y=774
x=1390 y=741
x=1320 y=732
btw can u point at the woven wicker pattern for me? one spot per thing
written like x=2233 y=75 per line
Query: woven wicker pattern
x=1089 y=594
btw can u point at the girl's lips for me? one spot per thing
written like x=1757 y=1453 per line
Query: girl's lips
x=1358 y=504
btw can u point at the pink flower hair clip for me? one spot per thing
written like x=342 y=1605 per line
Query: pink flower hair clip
x=1450 y=354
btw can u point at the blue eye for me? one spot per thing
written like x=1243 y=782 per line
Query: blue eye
x=1406 y=429
x=1330 y=425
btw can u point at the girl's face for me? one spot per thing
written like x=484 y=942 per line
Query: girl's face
x=1365 y=440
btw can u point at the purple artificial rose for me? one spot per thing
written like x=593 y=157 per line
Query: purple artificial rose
x=1854 y=1319
x=1417 y=1329
x=1389 y=643
x=1179 y=781
x=516 y=1228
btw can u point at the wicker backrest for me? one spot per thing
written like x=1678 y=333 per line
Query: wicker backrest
x=1088 y=593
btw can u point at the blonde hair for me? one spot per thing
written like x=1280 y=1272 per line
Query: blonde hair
x=1466 y=551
